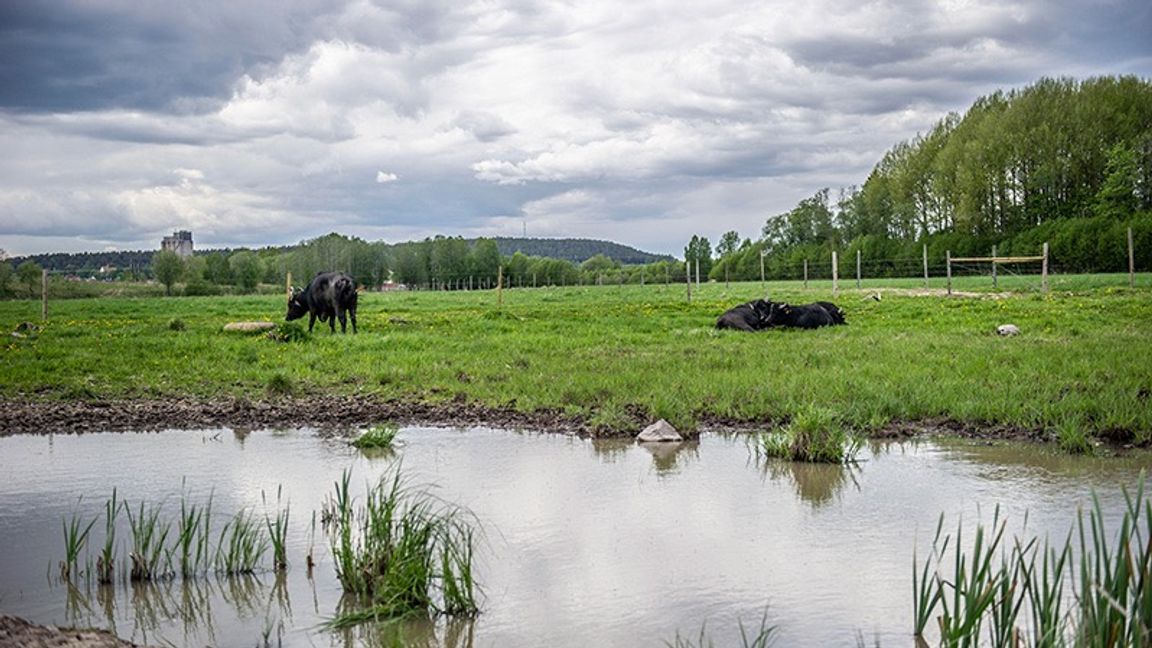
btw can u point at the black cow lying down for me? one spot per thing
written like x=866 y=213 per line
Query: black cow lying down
x=752 y=316
x=807 y=316
x=760 y=314
x=330 y=296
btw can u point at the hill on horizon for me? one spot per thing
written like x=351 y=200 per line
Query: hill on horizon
x=576 y=250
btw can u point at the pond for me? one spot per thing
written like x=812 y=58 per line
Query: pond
x=586 y=542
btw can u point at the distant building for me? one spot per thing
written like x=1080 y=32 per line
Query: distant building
x=180 y=242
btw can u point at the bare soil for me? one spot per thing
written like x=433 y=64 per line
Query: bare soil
x=339 y=414
x=18 y=632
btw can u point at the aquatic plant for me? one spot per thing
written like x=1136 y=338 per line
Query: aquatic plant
x=277 y=531
x=814 y=435
x=106 y=561
x=75 y=539
x=989 y=584
x=377 y=436
x=193 y=535
x=763 y=637
x=401 y=552
x=149 y=536
x=241 y=545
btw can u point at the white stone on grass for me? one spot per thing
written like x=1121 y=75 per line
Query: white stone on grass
x=659 y=431
x=1008 y=329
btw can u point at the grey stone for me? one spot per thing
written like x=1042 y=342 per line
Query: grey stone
x=659 y=431
x=1008 y=329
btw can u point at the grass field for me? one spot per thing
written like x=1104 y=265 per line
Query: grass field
x=613 y=355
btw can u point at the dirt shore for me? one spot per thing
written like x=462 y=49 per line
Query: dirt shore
x=340 y=414
x=18 y=632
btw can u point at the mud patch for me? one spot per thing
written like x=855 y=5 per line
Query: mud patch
x=18 y=632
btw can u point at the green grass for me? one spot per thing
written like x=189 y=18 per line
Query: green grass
x=377 y=436
x=814 y=436
x=619 y=357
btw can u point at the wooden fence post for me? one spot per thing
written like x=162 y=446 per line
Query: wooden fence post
x=1131 y=261
x=288 y=285
x=925 y=266
x=994 y=284
x=1044 y=269
x=805 y=274
x=857 y=269
x=948 y=261
x=688 y=278
x=697 y=272
x=762 y=262
x=44 y=294
x=835 y=275
x=500 y=285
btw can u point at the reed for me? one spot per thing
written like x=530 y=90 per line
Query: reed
x=106 y=561
x=277 y=531
x=762 y=637
x=401 y=552
x=149 y=538
x=241 y=545
x=193 y=534
x=75 y=539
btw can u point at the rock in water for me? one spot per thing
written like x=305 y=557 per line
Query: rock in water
x=659 y=431
x=1008 y=329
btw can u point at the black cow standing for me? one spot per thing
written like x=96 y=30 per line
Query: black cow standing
x=752 y=316
x=808 y=316
x=328 y=297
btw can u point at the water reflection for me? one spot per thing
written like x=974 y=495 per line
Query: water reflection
x=816 y=483
x=152 y=606
x=411 y=633
x=667 y=456
x=611 y=450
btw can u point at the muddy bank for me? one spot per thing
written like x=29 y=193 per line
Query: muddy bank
x=338 y=413
x=18 y=632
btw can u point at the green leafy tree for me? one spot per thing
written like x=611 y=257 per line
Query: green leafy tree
x=29 y=274
x=247 y=268
x=167 y=267
x=729 y=242
x=698 y=251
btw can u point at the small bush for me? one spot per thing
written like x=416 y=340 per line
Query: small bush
x=377 y=436
x=289 y=332
x=1072 y=436
x=176 y=324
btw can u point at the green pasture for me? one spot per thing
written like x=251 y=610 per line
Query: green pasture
x=619 y=355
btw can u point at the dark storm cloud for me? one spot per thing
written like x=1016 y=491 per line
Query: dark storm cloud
x=158 y=56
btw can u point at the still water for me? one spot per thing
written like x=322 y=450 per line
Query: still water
x=586 y=543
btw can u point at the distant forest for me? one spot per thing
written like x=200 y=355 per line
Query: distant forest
x=1061 y=161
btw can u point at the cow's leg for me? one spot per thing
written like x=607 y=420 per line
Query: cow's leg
x=352 y=316
x=311 y=321
x=332 y=322
x=343 y=321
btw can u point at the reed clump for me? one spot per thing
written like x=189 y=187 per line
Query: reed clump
x=997 y=593
x=377 y=436
x=401 y=552
x=814 y=435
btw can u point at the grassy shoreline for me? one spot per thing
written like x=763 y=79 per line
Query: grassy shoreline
x=607 y=357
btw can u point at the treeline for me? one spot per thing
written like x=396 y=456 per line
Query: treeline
x=1060 y=161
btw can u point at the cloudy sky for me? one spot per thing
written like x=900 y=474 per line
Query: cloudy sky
x=644 y=122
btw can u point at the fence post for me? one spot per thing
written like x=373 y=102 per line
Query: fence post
x=857 y=269
x=500 y=285
x=948 y=261
x=925 y=266
x=1131 y=261
x=688 y=278
x=44 y=294
x=697 y=272
x=1044 y=269
x=805 y=274
x=762 y=263
x=288 y=285
x=835 y=275
x=994 y=283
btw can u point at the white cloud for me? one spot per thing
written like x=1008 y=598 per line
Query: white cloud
x=385 y=178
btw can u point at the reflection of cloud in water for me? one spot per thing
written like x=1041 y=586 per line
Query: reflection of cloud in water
x=815 y=483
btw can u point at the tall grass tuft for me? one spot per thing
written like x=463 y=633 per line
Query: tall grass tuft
x=241 y=545
x=106 y=561
x=193 y=536
x=401 y=552
x=75 y=539
x=763 y=637
x=277 y=531
x=814 y=435
x=377 y=436
x=149 y=537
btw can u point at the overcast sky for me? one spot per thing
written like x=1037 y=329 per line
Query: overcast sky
x=644 y=122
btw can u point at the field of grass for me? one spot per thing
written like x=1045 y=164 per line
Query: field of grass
x=613 y=355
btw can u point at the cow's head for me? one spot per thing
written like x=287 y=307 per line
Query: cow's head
x=297 y=307
x=778 y=314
